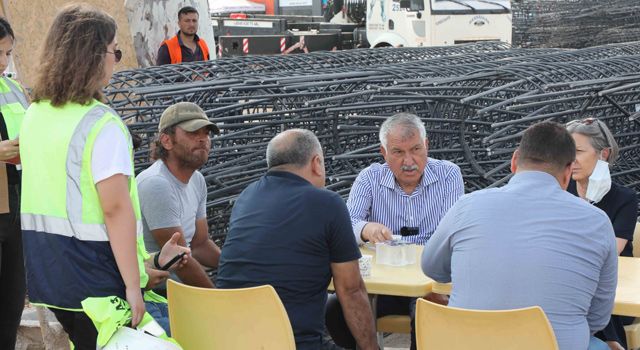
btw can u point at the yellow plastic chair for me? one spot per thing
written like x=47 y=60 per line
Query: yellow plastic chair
x=440 y=327
x=248 y=318
x=402 y=323
x=392 y=324
x=632 y=331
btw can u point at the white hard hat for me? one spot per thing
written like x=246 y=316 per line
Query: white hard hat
x=127 y=338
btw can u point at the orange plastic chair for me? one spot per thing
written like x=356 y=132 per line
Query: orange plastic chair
x=440 y=327
x=248 y=318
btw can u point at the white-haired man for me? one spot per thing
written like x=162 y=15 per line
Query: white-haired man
x=407 y=195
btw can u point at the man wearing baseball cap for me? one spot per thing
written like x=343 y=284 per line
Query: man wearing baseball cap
x=173 y=193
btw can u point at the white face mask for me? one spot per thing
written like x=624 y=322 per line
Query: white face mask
x=599 y=182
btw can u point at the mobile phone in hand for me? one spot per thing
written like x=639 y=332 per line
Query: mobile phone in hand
x=15 y=160
x=171 y=262
x=409 y=231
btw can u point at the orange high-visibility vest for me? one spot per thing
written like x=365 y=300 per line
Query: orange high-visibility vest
x=175 y=52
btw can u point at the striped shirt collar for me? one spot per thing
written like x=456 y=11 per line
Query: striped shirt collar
x=389 y=180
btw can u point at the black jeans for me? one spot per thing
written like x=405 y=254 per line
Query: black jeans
x=78 y=325
x=12 y=276
x=387 y=305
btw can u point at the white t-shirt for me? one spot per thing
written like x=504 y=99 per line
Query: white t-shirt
x=110 y=154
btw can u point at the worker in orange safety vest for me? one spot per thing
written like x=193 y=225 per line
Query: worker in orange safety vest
x=185 y=46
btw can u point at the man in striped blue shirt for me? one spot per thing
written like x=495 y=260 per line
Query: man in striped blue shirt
x=409 y=190
x=408 y=194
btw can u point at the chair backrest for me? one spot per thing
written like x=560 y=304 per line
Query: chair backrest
x=636 y=241
x=248 y=318
x=441 y=327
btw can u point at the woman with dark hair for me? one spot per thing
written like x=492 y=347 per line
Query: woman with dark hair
x=80 y=213
x=13 y=103
x=596 y=152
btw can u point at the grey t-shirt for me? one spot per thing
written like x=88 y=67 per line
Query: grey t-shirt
x=165 y=201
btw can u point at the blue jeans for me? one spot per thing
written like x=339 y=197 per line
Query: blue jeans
x=597 y=344
x=160 y=313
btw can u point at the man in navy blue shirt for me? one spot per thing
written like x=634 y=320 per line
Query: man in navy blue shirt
x=286 y=230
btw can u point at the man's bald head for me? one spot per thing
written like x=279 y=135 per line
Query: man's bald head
x=293 y=147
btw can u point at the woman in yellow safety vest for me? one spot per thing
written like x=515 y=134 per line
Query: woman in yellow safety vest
x=13 y=103
x=80 y=214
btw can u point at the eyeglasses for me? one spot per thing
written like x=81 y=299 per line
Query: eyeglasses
x=590 y=121
x=117 y=53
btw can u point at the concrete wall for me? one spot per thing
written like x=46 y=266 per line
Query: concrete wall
x=31 y=19
x=153 y=21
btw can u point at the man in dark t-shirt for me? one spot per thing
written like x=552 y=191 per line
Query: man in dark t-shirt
x=286 y=230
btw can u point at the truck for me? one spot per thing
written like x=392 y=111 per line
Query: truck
x=417 y=23
x=348 y=24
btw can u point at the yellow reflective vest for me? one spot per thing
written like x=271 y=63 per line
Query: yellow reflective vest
x=67 y=251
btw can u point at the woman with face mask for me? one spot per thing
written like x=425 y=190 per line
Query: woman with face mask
x=596 y=152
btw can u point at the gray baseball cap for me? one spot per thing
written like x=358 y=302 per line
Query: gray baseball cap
x=188 y=116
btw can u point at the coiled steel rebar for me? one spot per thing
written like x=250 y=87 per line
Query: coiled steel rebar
x=475 y=102
x=574 y=24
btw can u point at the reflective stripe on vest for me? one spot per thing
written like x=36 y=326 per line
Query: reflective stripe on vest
x=14 y=95
x=175 y=52
x=66 y=245
x=64 y=227
x=13 y=104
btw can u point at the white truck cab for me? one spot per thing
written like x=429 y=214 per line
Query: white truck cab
x=415 y=23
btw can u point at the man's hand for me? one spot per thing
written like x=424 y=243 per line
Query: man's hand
x=437 y=298
x=156 y=277
x=171 y=249
x=614 y=345
x=374 y=232
x=189 y=269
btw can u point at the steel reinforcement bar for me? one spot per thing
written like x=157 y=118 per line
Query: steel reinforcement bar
x=474 y=106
